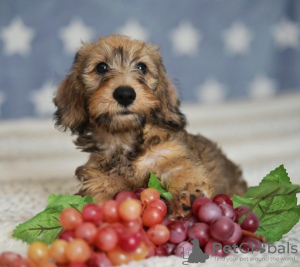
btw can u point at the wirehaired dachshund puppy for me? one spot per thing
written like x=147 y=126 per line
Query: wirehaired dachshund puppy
x=119 y=101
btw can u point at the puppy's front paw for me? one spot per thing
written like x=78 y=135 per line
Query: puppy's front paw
x=182 y=200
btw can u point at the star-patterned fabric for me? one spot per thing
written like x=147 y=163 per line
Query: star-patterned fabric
x=214 y=51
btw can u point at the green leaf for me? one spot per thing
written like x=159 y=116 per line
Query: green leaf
x=155 y=183
x=275 y=203
x=45 y=225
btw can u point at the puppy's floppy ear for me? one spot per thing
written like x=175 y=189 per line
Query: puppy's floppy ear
x=70 y=102
x=170 y=115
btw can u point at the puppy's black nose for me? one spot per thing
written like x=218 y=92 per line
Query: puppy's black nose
x=125 y=95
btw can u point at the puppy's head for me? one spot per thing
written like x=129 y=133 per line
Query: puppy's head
x=117 y=84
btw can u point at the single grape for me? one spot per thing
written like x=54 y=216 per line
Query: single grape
x=92 y=213
x=141 y=234
x=250 y=244
x=222 y=199
x=235 y=237
x=140 y=253
x=106 y=238
x=228 y=211
x=7 y=257
x=70 y=218
x=138 y=192
x=22 y=263
x=157 y=203
x=128 y=241
x=190 y=220
x=78 y=251
x=67 y=235
x=198 y=202
x=251 y=222
x=110 y=211
x=134 y=225
x=214 y=248
x=123 y=195
x=149 y=194
x=169 y=247
x=130 y=210
x=222 y=228
x=119 y=227
x=152 y=216
x=86 y=231
x=38 y=253
x=209 y=212
x=58 y=251
x=158 y=234
x=99 y=259
x=117 y=256
x=185 y=246
x=161 y=251
x=178 y=231
x=199 y=231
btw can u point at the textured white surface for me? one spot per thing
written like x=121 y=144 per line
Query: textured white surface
x=36 y=160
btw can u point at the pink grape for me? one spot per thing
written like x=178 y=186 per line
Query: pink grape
x=129 y=209
x=8 y=257
x=166 y=221
x=235 y=237
x=209 y=248
x=99 y=259
x=86 y=231
x=199 y=231
x=110 y=211
x=251 y=222
x=222 y=199
x=198 y=202
x=67 y=235
x=70 y=218
x=106 y=238
x=185 y=246
x=128 y=241
x=92 y=213
x=138 y=192
x=159 y=204
x=178 y=231
x=161 y=251
x=248 y=243
x=209 y=212
x=228 y=211
x=22 y=263
x=133 y=226
x=222 y=228
x=158 y=234
x=169 y=247
x=152 y=216
x=149 y=194
x=190 y=220
x=123 y=195
x=77 y=264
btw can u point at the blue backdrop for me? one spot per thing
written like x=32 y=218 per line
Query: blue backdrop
x=213 y=50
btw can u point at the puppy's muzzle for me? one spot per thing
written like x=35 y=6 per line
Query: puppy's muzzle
x=125 y=95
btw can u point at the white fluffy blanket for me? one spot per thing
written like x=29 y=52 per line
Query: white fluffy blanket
x=36 y=160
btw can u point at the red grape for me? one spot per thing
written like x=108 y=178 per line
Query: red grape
x=106 y=238
x=86 y=231
x=149 y=194
x=134 y=226
x=209 y=212
x=190 y=220
x=251 y=222
x=118 y=227
x=92 y=213
x=158 y=234
x=169 y=247
x=222 y=228
x=228 y=211
x=123 y=195
x=67 y=235
x=214 y=248
x=138 y=192
x=161 y=251
x=185 y=246
x=157 y=203
x=235 y=237
x=250 y=244
x=198 y=202
x=7 y=257
x=22 y=263
x=70 y=218
x=178 y=231
x=110 y=211
x=99 y=259
x=128 y=241
x=166 y=221
x=152 y=216
x=129 y=210
x=199 y=231
x=77 y=264
x=222 y=199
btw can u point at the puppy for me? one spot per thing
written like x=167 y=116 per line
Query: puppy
x=119 y=101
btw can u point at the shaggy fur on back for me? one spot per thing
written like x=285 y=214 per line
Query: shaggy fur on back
x=119 y=101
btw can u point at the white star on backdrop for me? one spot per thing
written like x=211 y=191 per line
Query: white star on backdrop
x=2 y=99
x=134 y=29
x=262 y=87
x=185 y=39
x=237 y=39
x=211 y=91
x=17 y=38
x=42 y=99
x=286 y=34
x=73 y=34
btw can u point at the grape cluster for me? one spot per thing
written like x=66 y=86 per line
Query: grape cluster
x=133 y=226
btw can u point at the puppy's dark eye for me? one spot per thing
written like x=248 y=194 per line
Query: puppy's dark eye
x=102 y=67
x=142 y=67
